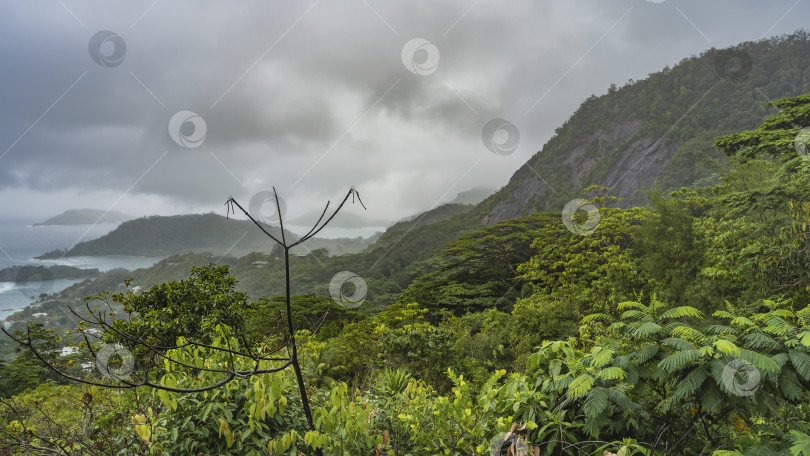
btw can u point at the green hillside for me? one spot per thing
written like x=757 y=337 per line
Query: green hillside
x=680 y=327
x=658 y=130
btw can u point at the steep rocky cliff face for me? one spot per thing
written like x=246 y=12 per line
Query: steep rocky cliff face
x=658 y=131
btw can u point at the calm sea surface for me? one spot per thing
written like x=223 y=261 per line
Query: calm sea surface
x=20 y=242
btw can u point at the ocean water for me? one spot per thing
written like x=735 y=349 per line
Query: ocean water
x=20 y=242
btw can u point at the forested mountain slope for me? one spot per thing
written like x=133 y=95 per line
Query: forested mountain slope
x=658 y=130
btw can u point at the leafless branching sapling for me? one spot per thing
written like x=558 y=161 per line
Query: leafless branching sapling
x=146 y=378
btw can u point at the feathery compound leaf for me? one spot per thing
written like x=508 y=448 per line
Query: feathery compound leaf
x=645 y=354
x=645 y=329
x=780 y=359
x=801 y=361
x=690 y=334
x=601 y=356
x=633 y=314
x=801 y=443
x=619 y=398
x=686 y=388
x=616 y=327
x=612 y=373
x=726 y=347
x=580 y=385
x=742 y=322
x=631 y=305
x=790 y=386
x=804 y=336
x=706 y=351
x=721 y=329
x=682 y=311
x=757 y=341
x=678 y=344
x=711 y=397
x=783 y=313
x=595 y=402
x=692 y=382
x=723 y=314
x=596 y=317
x=679 y=360
x=761 y=362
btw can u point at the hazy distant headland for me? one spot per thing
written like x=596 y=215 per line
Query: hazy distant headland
x=169 y=235
x=22 y=274
x=86 y=217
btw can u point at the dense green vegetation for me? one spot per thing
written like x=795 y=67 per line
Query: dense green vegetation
x=680 y=328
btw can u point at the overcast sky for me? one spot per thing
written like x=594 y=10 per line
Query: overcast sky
x=314 y=97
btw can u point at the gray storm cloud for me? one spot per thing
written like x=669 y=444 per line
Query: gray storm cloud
x=314 y=97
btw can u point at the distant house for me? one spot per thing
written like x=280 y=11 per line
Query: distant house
x=69 y=350
x=39 y=314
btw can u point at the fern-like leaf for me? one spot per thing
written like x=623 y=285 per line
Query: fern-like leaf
x=727 y=347
x=741 y=322
x=721 y=329
x=631 y=305
x=645 y=329
x=595 y=402
x=597 y=317
x=757 y=341
x=645 y=354
x=801 y=361
x=601 y=356
x=633 y=314
x=790 y=386
x=679 y=360
x=580 y=386
x=681 y=312
x=723 y=314
x=761 y=362
x=678 y=344
x=612 y=373
x=689 y=333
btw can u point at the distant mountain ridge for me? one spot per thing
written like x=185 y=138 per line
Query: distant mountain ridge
x=86 y=217
x=659 y=130
x=170 y=235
